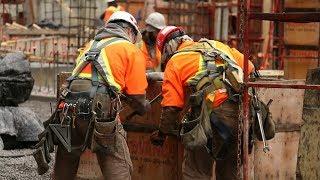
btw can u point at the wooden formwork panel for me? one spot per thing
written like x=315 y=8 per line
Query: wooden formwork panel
x=298 y=62
x=305 y=34
x=281 y=161
x=302 y=4
x=153 y=162
x=287 y=105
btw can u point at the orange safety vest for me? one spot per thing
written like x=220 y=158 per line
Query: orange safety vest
x=110 y=10
x=151 y=63
x=187 y=66
x=85 y=72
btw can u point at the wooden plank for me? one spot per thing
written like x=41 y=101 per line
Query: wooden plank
x=151 y=162
x=301 y=34
x=287 y=104
x=296 y=68
x=302 y=4
x=286 y=109
x=280 y=162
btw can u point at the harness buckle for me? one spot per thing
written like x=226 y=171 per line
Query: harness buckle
x=92 y=54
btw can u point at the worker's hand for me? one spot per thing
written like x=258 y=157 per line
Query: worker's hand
x=157 y=138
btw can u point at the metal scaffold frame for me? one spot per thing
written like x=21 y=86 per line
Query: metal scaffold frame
x=245 y=15
x=82 y=19
x=53 y=10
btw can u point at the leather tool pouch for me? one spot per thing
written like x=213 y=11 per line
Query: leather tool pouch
x=105 y=124
x=268 y=123
x=196 y=131
x=105 y=136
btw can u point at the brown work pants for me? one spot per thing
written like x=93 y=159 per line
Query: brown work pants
x=114 y=165
x=198 y=164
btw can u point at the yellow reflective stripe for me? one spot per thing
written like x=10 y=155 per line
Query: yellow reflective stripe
x=222 y=50
x=79 y=59
x=202 y=66
x=110 y=78
x=201 y=69
x=85 y=75
x=235 y=65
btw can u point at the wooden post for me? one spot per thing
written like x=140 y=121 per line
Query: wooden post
x=309 y=147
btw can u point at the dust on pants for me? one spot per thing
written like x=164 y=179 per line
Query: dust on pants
x=198 y=164
x=114 y=165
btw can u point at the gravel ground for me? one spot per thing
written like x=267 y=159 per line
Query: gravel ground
x=19 y=164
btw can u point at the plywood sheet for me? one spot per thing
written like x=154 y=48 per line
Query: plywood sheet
x=280 y=162
x=298 y=62
x=302 y=4
x=287 y=104
x=152 y=162
x=301 y=34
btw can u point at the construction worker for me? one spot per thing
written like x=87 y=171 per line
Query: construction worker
x=154 y=23
x=112 y=7
x=111 y=67
x=201 y=78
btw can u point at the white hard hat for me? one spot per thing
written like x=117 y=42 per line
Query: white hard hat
x=109 y=1
x=156 y=20
x=127 y=17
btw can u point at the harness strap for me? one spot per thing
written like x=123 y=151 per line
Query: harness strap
x=94 y=51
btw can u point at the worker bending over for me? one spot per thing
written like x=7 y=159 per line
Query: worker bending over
x=203 y=79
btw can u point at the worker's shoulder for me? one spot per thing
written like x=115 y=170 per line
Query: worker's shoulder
x=123 y=43
x=111 y=8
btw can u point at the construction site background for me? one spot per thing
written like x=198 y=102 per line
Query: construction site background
x=52 y=31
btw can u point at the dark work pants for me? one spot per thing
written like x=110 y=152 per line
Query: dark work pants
x=114 y=165
x=198 y=164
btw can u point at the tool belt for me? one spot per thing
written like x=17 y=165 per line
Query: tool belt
x=86 y=114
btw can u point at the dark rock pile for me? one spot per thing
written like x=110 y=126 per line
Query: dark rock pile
x=16 y=123
x=16 y=81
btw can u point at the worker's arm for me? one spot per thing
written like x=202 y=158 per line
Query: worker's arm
x=173 y=98
x=136 y=82
x=172 y=104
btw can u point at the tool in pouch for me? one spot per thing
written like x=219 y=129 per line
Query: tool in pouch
x=265 y=122
x=70 y=106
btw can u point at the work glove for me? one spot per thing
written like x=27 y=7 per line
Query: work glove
x=154 y=76
x=138 y=103
x=157 y=138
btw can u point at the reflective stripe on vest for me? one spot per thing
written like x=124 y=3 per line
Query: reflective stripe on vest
x=204 y=64
x=102 y=60
x=230 y=56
